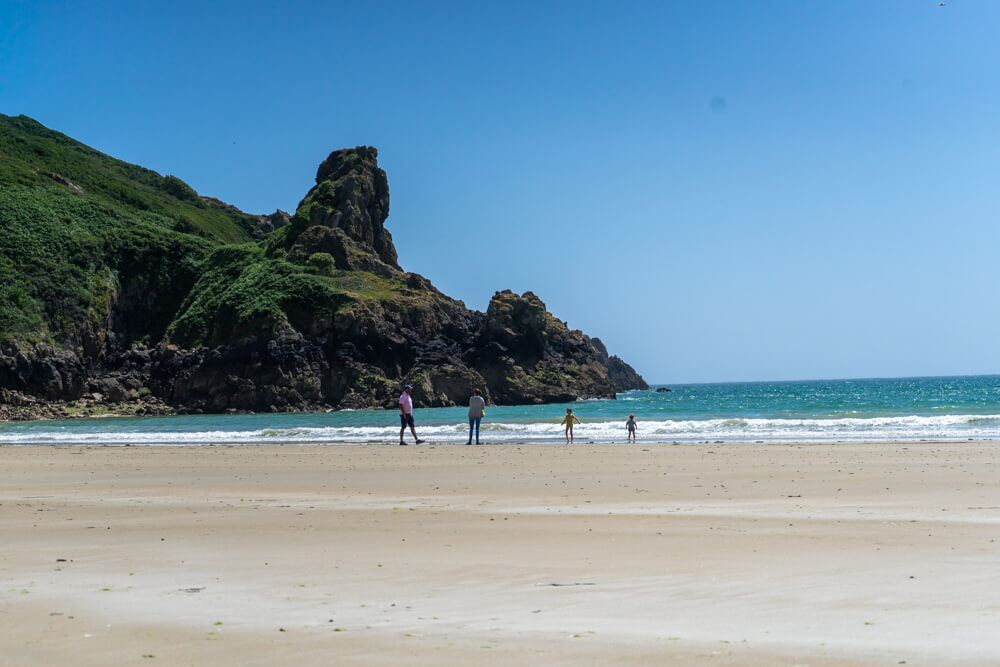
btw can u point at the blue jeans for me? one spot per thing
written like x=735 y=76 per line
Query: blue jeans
x=474 y=421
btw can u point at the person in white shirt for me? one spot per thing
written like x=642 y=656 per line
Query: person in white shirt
x=477 y=410
x=406 y=415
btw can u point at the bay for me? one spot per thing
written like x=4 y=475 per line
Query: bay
x=873 y=410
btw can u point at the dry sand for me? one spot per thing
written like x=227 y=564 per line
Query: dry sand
x=497 y=555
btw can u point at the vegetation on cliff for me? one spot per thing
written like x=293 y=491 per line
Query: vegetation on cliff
x=77 y=227
x=120 y=283
x=64 y=256
x=33 y=155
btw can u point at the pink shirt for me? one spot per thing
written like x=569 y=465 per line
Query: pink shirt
x=406 y=403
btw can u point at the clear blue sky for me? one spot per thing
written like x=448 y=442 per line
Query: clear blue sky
x=718 y=190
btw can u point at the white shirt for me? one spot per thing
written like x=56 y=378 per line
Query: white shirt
x=476 y=406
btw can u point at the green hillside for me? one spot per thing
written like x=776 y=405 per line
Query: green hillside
x=33 y=155
x=79 y=230
x=62 y=254
x=78 y=227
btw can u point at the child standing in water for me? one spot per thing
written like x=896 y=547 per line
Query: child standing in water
x=630 y=426
x=568 y=421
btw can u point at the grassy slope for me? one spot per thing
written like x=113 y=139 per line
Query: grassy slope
x=30 y=154
x=65 y=248
x=62 y=254
x=65 y=251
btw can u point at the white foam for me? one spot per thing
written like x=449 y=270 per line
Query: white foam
x=906 y=428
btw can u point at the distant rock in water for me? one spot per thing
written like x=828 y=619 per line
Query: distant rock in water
x=661 y=390
x=314 y=314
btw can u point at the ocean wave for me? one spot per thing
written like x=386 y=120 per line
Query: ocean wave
x=741 y=429
x=980 y=420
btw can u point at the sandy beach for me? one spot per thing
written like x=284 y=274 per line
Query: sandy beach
x=532 y=554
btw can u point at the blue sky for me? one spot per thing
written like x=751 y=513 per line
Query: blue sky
x=720 y=191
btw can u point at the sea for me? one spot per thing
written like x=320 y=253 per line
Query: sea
x=817 y=411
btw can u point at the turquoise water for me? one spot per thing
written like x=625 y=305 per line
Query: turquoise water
x=933 y=408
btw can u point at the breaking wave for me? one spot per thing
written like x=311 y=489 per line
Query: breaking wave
x=904 y=428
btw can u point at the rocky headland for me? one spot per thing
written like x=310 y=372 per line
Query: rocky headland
x=308 y=311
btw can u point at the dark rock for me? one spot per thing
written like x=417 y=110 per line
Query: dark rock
x=346 y=253
x=61 y=180
x=661 y=390
x=212 y=202
x=624 y=377
x=352 y=193
x=358 y=355
x=268 y=223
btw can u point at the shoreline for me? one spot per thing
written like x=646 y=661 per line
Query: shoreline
x=539 y=443
x=850 y=553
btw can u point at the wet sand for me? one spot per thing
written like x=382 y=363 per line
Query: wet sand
x=640 y=554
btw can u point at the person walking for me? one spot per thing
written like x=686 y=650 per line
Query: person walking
x=406 y=415
x=477 y=410
x=568 y=421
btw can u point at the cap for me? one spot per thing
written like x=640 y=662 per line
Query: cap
x=409 y=386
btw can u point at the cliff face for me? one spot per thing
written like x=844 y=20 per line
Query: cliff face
x=316 y=313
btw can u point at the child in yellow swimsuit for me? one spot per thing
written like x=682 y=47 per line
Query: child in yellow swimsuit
x=568 y=422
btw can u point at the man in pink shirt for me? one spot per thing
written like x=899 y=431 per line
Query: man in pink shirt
x=406 y=415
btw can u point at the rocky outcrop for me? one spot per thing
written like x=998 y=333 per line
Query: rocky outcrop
x=42 y=372
x=351 y=196
x=257 y=226
x=268 y=223
x=529 y=356
x=355 y=353
x=623 y=376
x=62 y=180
